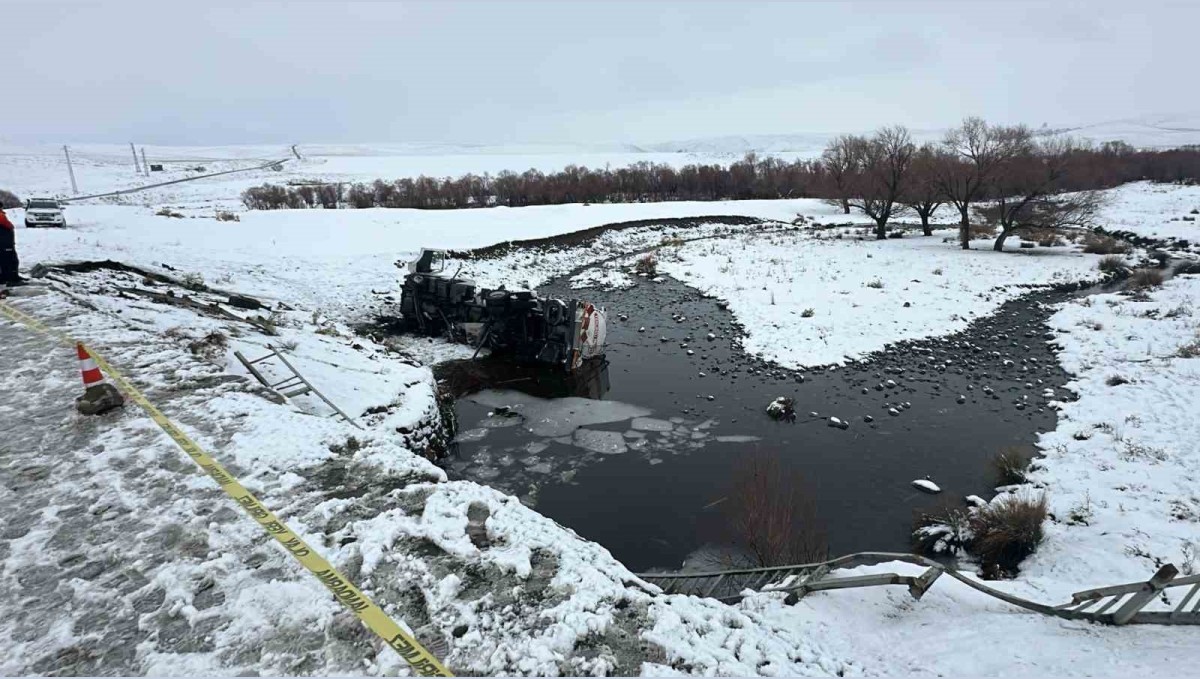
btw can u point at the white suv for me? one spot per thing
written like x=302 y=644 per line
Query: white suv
x=44 y=212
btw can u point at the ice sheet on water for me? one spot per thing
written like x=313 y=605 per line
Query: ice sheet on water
x=737 y=438
x=651 y=424
x=471 y=435
x=606 y=442
x=560 y=416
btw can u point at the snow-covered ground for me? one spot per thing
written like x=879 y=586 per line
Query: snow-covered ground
x=1154 y=211
x=120 y=558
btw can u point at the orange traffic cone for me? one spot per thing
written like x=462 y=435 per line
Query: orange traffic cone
x=98 y=396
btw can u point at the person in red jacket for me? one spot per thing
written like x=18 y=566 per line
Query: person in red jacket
x=8 y=253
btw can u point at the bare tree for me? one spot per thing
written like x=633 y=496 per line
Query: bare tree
x=1029 y=192
x=979 y=151
x=773 y=519
x=885 y=160
x=922 y=193
x=840 y=159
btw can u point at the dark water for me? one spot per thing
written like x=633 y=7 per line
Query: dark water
x=661 y=498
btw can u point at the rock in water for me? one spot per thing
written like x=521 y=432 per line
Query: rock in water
x=782 y=408
x=927 y=486
x=976 y=501
x=835 y=422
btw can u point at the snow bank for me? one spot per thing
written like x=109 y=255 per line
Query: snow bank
x=863 y=294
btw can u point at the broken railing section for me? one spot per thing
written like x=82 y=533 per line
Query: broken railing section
x=1116 y=605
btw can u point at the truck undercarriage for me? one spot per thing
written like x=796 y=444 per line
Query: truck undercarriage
x=519 y=323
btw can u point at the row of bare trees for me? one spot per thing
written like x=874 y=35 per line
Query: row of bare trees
x=1005 y=175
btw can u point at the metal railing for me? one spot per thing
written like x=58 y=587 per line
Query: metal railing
x=1147 y=602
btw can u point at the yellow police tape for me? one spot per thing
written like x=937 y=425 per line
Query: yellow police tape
x=421 y=660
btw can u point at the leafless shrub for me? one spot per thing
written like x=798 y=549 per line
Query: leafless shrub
x=1189 y=350
x=1008 y=530
x=1105 y=245
x=226 y=216
x=1146 y=278
x=1116 y=380
x=1111 y=264
x=168 y=212
x=1010 y=465
x=648 y=265
x=977 y=231
x=807 y=313
x=771 y=516
x=1137 y=451
x=1188 y=268
x=1082 y=513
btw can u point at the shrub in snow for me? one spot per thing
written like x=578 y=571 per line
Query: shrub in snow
x=1007 y=531
x=1188 y=268
x=807 y=313
x=647 y=265
x=1190 y=350
x=1111 y=264
x=1116 y=380
x=1105 y=245
x=1010 y=464
x=945 y=529
x=1146 y=278
x=877 y=284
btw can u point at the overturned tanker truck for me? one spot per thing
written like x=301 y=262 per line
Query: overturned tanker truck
x=507 y=322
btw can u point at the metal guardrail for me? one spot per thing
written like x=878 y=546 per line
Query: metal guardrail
x=1116 y=605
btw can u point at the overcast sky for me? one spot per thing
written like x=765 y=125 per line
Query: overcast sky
x=212 y=73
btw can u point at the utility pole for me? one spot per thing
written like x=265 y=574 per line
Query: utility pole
x=71 y=171
x=145 y=165
x=137 y=168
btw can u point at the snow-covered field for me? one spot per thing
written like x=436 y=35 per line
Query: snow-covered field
x=120 y=558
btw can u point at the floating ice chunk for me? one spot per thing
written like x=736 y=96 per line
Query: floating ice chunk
x=535 y=447
x=927 y=486
x=737 y=438
x=631 y=434
x=471 y=435
x=552 y=418
x=605 y=442
x=651 y=424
